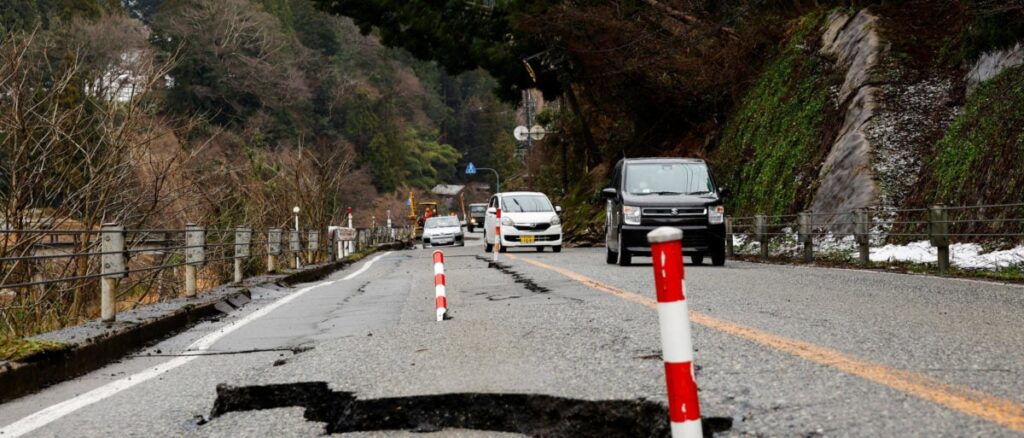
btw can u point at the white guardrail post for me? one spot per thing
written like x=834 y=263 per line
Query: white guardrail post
x=761 y=231
x=729 y=248
x=273 y=248
x=113 y=267
x=295 y=248
x=243 y=241
x=862 y=228
x=938 y=234
x=806 y=236
x=195 y=255
x=312 y=246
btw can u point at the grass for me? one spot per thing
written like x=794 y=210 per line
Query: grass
x=979 y=159
x=771 y=147
x=19 y=350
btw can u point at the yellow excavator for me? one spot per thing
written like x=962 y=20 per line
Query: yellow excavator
x=419 y=212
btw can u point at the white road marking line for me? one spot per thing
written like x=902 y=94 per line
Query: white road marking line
x=55 y=412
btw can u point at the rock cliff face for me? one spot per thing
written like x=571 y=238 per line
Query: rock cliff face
x=847 y=181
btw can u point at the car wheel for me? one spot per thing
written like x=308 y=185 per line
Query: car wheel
x=697 y=259
x=503 y=249
x=487 y=246
x=625 y=258
x=610 y=257
x=718 y=256
x=540 y=249
x=470 y=228
x=557 y=248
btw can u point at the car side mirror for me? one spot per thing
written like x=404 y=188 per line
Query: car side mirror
x=724 y=192
x=558 y=209
x=609 y=193
x=492 y=210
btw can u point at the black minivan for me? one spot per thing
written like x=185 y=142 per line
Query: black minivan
x=648 y=193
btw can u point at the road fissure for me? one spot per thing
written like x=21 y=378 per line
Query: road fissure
x=59 y=410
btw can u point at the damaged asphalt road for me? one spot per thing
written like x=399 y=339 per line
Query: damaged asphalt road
x=526 y=346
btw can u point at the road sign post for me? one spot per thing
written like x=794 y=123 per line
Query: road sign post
x=471 y=170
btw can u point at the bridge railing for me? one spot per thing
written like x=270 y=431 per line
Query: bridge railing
x=50 y=276
x=903 y=233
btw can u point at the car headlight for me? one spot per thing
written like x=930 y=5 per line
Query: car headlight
x=556 y=221
x=472 y=221
x=631 y=215
x=716 y=214
x=507 y=221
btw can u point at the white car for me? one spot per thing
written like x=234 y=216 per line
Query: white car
x=442 y=230
x=527 y=220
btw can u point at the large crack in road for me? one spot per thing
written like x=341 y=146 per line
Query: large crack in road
x=527 y=414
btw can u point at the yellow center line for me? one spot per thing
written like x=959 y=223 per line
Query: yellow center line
x=988 y=407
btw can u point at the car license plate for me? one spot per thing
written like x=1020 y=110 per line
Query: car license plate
x=526 y=239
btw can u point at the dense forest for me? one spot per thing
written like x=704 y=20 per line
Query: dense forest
x=750 y=85
x=154 y=114
x=279 y=99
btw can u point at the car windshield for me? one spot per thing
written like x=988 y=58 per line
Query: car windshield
x=526 y=204
x=668 y=179
x=477 y=208
x=442 y=222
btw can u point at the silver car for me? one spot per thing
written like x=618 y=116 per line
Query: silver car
x=443 y=230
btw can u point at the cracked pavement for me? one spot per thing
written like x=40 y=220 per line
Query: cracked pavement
x=524 y=329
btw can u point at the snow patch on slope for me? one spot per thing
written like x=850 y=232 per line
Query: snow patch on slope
x=990 y=64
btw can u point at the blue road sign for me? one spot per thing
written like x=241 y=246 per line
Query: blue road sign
x=470 y=169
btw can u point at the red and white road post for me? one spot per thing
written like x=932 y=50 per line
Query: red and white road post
x=676 y=343
x=497 y=235
x=440 y=297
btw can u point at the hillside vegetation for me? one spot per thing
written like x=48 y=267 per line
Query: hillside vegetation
x=157 y=113
x=742 y=83
x=772 y=146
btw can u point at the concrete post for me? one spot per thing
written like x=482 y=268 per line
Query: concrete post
x=243 y=241
x=729 y=250
x=806 y=236
x=273 y=248
x=332 y=248
x=761 y=231
x=312 y=245
x=295 y=247
x=351 y=245
x=195 y=255
x=862 y=227
x=113 y=267
x=938 y=233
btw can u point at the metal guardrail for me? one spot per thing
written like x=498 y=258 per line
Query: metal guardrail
x=940 y=225
x=43 y=261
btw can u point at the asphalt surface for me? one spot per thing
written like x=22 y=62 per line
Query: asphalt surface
x=374 y=334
